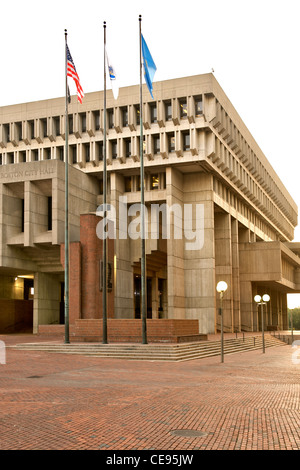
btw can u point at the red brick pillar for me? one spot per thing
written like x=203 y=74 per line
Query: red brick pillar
x=91 y=247
x=85 y=257
x=75 y=280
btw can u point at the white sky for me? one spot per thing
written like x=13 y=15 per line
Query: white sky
x=252 y=45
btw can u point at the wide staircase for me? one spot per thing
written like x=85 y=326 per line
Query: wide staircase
x=157 y=352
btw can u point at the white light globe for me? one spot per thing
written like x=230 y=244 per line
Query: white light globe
x=266 y=297
x=257 y=298
x=222 y=286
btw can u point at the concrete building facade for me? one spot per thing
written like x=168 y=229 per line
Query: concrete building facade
x=221 y=211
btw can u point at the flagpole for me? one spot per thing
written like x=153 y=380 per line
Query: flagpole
x=67 y=340
x=104 y=283
x=143 y=258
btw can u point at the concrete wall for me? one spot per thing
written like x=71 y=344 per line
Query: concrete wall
x=199 y=254
x=11 y=287
x=47 y=296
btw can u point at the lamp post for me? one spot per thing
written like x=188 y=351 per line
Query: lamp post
x=262 y=301
x=221 y=288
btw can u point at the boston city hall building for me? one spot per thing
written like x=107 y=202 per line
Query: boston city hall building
x=201 y=165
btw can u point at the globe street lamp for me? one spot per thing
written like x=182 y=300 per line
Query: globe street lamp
x=221 y=288
x=262 y=301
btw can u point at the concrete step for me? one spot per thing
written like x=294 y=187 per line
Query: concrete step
x=156 y=352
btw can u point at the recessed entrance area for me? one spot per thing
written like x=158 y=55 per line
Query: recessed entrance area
x=157 y=296
x=16 y=303
x=138 y=296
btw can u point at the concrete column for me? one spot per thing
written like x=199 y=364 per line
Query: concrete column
x=200 y=287
x=123 y=270
x=285 y=320
x=164 y=295
x=278 y=310
x=274 y=308
x=267 y=307
x=270 y=309
x=28 y=214
x=175 y=244
x=46 y=302
x=256 y=310
x=223 y=260
x=235 y=276
x=155 y=296
x=58 y=210
x=247 y=306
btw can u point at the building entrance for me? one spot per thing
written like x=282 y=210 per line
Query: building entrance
x=16 y=303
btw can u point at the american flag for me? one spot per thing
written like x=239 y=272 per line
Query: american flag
x=71 y=72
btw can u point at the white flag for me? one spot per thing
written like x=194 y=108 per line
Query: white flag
x=112 y=76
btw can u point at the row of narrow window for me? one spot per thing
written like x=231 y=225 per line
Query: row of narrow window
x=230 y=198
x=112 y=149
x=267 y=205
x=133 y=183
x=44 y=131
x=242 y=149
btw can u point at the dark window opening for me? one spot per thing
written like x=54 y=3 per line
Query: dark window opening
x=171 y=143
x=6 y=128
x=168 y=110
x=48 y=154
x=74 y=153
x=99 y=147
x=97 y=120
x=198 y=106
x=71 y=129
x=156 y=144
x=83 y=122
x=114 y=152
x=57 y=125
x=127 y=182
x=110 y=115
x=50 y=213
x=124 y=116
x=128 y=147
x=186 y=141
x=183 y=108
x=87 y=153
x=44 y=127
x=31 y=129
x=153 y=113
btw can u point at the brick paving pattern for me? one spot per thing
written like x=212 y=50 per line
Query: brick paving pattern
x=54 y=401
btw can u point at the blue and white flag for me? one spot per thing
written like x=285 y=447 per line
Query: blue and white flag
x=113 y=78
x=149 y=66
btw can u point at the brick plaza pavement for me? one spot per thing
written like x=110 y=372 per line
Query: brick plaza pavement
x=54 y=401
